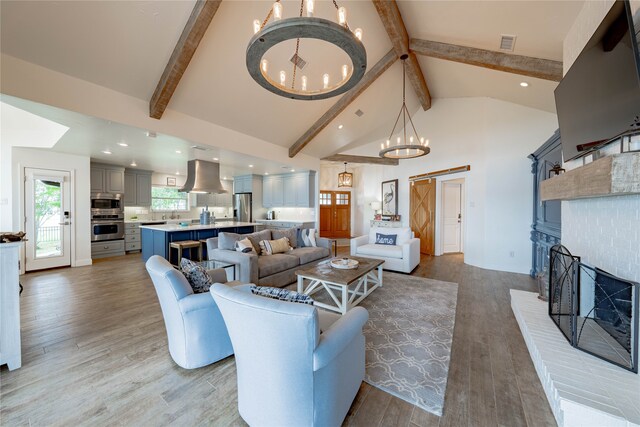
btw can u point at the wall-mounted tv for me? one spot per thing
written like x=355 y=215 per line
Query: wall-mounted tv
x=599 y=97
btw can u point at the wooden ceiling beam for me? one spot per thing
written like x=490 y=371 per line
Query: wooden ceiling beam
x=201 y=16
x=517 y=64
x=346 y=99
x=394 y=25
x=361 y=159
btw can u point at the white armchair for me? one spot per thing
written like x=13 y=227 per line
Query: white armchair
x=404 y=256
x=195 y=329
x=289 y=373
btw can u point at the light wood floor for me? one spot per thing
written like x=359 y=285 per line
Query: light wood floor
x=95 y=353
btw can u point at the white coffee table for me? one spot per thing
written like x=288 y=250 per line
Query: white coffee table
x=346 y=288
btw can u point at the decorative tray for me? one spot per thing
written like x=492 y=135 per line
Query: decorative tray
x=344 y=263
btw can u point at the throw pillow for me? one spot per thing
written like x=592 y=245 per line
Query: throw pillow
x=289 y=233
x=256 y=237
x=386 y=239
x=270 y=247
x=228 y=240
x=307 y=237
x=196 y=275
x=245 y=246
x=281 y=294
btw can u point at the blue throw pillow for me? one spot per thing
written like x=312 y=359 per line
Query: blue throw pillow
x=281 y=294
x=386 y=239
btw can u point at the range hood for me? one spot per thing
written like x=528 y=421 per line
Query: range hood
x=203 y=177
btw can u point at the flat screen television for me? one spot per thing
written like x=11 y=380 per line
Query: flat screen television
x=599 y=97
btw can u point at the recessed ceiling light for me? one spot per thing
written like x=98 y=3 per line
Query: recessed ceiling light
x=250 y=166
x=266 y=173
x=216 y=159
x=524 y=84
x=178 y=152
x=123 y=144
x=224 y=177
x=177 y=173
x=106 y=151
x=293 y=170
x=133 y=164
x=340 y=126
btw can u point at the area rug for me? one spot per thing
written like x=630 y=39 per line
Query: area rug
x=408 y=338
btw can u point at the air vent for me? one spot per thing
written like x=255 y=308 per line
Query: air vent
x=507 y=42
x=359 y=113
x=151 y=134
x=197 y=147
x=297 y=61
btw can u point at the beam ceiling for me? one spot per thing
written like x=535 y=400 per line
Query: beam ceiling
x=394 y=25
x=361 y=159
x=202 y=14
x=517 y=64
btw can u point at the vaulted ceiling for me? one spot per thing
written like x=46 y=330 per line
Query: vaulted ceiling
x=125 y=45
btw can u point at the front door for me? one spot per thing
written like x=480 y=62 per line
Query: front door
x=335 y=214
x=452 y=217
x=422 y=214
x=47 y=207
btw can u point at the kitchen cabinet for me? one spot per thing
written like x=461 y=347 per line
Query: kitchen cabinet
x=242 y=184
x=223 y=200
x=137 y=188
x=107 y=179
x=289 y=190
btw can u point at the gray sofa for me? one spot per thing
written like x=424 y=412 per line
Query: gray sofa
x=268 y=270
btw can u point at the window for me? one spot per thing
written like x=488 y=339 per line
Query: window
x=325 y=198
x=168 y=199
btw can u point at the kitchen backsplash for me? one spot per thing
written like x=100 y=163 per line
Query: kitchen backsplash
x=298 y=214
x=194 y=213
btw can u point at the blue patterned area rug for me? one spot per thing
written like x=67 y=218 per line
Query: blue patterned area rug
x=408 y=338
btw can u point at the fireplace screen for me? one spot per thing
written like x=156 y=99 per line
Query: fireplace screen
x=596 y=311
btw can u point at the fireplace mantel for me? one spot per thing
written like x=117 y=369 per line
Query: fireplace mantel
x=615 y=175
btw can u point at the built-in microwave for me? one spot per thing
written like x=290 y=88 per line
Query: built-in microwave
x=106 y=202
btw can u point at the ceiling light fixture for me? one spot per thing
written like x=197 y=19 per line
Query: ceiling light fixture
x=293 y=170
x=216 y=159
x=266 y=173
x=106 y=152
x=524 y=84
x=403 y=148
x=178 y=152
x=345 y=179
x=269 y=34
x=250 y=166
x=134 y=164
x=177 y=173
x=340 y=126
x=123 y=144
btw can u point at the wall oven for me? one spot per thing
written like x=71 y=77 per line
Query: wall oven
x=107 y=229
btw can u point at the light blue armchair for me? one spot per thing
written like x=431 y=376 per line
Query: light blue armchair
x=195 y=328
x=289 y=372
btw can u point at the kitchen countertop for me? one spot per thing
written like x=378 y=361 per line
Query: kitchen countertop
x=171 y=221
x=220 y=224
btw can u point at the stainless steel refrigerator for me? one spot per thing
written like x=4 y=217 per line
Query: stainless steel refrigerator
x=242 y=207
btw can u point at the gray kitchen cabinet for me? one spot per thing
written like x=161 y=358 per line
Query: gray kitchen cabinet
x=289 y=190
x=137 y=188
x=242 y=184
x=107 y=178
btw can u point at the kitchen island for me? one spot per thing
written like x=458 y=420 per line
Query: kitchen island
x=157 y=238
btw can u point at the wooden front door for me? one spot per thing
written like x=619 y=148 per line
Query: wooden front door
x=335 y=214
x=423 y=213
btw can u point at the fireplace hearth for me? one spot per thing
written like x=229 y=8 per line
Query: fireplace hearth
x=597 y=312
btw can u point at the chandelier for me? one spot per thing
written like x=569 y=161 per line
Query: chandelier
x=297 y=85
x=345 y=179
x=403 y=148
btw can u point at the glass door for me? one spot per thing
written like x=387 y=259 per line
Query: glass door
x=47 y=218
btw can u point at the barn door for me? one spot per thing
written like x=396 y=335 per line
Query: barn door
x=335 y=214
x=423 y=213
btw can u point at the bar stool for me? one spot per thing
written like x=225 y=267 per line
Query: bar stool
x=185 y=244
x=203 y=248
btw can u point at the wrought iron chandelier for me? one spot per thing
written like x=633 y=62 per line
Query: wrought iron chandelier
x=403 y=148
x=269 y=34
x=345 y=179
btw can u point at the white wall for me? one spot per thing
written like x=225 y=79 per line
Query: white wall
x=493 y=137
x=81 y=193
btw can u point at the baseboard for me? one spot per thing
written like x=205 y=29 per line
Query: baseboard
x=82 y=262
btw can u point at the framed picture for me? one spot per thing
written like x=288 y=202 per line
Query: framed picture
x=171 y=181
x=390 y=198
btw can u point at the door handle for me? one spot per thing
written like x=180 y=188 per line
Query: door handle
x=64 y=223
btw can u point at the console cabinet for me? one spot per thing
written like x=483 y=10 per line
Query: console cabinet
x=137 y=188
x=546 y=226
x=107 y=178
